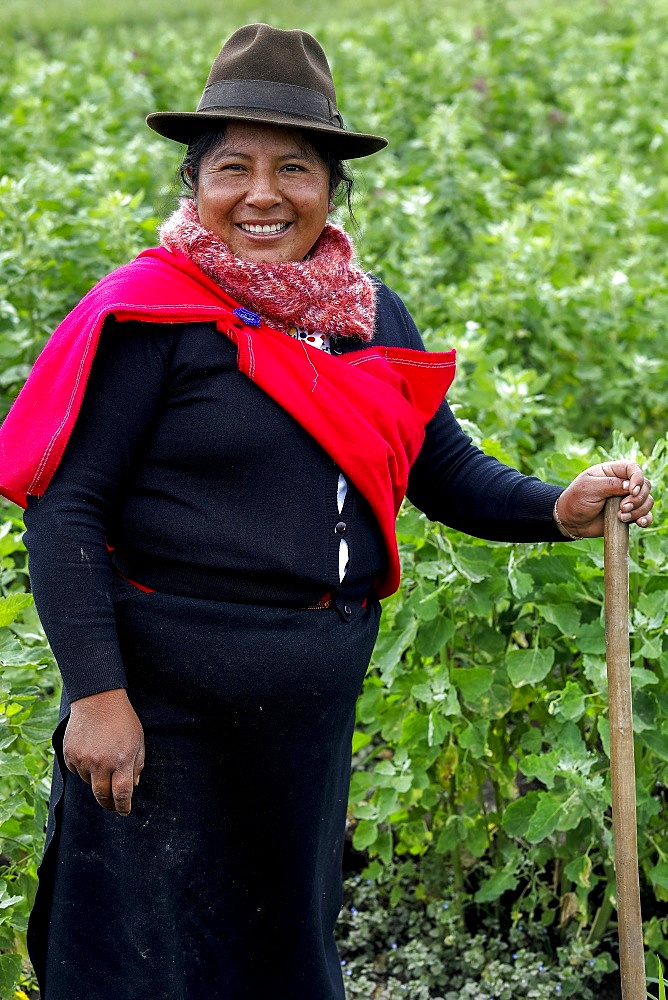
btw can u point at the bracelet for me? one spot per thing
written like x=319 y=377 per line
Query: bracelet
x=562 y=529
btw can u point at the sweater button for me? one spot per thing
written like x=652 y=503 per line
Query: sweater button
x=340 y=527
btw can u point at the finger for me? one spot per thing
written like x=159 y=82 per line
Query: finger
x=640 y=513
x=70 y=765
x=101 y=786
x=623 y=469
x=81 y=771
x=639 y=492
x=631 y=476
x=138 y=766
x=643 y=502
x=122 y=783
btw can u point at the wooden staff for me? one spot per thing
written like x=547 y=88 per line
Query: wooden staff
x=622 y=764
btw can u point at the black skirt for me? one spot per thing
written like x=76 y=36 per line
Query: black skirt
x=225 y=880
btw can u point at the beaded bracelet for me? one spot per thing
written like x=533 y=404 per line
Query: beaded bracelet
x=562 y=529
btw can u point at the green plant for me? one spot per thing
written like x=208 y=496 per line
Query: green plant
x=660 y=982
x=28 y=715
x=483 y=737
x=407 y=944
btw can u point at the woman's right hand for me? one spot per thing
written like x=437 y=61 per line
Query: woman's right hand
x=104 y=745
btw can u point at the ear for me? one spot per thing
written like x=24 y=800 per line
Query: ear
x=331 y=206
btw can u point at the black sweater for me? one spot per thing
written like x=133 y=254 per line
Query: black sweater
x=205 y=487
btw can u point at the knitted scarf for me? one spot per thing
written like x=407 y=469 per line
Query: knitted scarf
x=327 y=292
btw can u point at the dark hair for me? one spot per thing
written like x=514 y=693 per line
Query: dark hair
x=340 y=177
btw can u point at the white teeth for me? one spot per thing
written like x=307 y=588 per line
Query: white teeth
x=276 y=227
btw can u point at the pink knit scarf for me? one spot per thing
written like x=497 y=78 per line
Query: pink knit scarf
x=327 y=292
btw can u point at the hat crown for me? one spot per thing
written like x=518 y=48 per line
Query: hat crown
x=270 y=77
x=261 y=52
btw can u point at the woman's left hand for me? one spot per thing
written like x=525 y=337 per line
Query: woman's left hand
x=580 y=506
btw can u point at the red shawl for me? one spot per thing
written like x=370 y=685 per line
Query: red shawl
x=367 y=409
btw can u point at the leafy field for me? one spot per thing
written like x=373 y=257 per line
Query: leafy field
x=521 y=211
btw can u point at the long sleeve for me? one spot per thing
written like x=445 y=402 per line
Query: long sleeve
x=454 y=482
x=67 y=528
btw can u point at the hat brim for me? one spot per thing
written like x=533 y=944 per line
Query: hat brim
x=185 y=126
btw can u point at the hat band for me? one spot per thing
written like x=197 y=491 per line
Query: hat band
x=265 y=95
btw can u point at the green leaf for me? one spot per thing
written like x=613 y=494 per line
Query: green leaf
x=387 y=801
x=645 y=711
x=603 y=726
x=659 y=875
x=517 y=815
x=565 y=616
x=10 y=971
x=366 y=834
x=641 y=678
x=383 y=845
x=545 y=820
x=522 y=583
x=545 y=766
x=570 y=704
x=7 y=901
x=528 y=666
x=471 y=562
x=433 y=635
x=657 y=741
x=395 y=645
x=591 y=639
x=579 y=870
x=474 y=737
x=495 y=886
x=360 y=740
x=12 y=606
x=13 y=764
x=438 y=729
x=472 y=682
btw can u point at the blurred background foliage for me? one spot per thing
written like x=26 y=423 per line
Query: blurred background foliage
x=521 y=212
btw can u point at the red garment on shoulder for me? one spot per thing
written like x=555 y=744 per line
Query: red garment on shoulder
x=367 y=409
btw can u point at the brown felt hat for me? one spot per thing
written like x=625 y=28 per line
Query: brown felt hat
x=266 y=75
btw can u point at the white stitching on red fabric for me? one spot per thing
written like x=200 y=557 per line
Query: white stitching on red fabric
x=404 y=361
x=317 y=376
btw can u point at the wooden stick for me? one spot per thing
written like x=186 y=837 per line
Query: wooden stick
x=622 y=764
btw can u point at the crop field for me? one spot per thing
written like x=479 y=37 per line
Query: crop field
x=521 y=211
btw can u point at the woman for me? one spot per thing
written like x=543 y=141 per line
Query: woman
x=210 y=527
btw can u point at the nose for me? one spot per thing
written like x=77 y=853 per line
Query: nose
x=263 y=190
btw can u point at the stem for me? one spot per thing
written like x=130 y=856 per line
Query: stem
x=602 y=918
x=457 y=870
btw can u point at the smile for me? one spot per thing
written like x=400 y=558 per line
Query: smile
x=276 y=227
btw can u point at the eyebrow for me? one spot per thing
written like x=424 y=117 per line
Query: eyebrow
x=297 y=154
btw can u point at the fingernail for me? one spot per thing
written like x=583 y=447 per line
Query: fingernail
x=642 y=521
x=636 y=491
x=625 y=517
x=626 y=484
x=627 y=506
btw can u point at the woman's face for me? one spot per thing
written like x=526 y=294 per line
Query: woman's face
x=264 y=193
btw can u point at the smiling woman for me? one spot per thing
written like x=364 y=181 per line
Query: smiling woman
x=264 y=193
x=210 y=521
